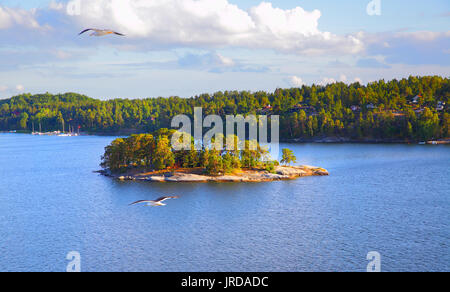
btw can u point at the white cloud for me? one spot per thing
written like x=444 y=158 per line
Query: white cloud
x=423 y=36
x=343 y=78
x=216 y=23
x=325 y=81
x=3 y=88
x=295 y=81
x=53 y=5
x=20 y=17
x=20 y=88
x=225 y=61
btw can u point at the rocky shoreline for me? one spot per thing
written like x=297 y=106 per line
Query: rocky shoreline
x=195 y=176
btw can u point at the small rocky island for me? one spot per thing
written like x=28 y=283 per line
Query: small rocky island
x=198 y=175
x=150 y=157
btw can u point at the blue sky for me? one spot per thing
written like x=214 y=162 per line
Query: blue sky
x=188 y=47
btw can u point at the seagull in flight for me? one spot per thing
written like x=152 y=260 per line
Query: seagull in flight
x=100 y=32
x=154 y=203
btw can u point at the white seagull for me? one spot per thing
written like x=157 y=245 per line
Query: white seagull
x=100 y=32
x=155 y=203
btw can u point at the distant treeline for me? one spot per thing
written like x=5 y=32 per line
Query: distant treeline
x=409 y=109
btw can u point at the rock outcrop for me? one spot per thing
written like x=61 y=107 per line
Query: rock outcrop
x=281 y=173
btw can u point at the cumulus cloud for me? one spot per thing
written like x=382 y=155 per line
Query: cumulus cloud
x=295 y=81
x=342 y=78
x=359 y=80
x=327 y=80
x=18 y=17
x=6 y=91
x=216 y=23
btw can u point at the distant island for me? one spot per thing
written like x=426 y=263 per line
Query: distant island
x=413 y=109
x=150 y=157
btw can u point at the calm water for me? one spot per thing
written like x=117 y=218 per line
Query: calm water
x=393 y=199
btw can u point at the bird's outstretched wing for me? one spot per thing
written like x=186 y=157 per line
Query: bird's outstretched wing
x=101 y=32
x=162 y=199
x=140 y=202
x=86 y=30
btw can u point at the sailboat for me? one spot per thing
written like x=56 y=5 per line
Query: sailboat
x=40 y=130
x=63 y=133
x=71 y=133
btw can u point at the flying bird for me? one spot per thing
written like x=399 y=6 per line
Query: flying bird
x=100 y=32
x=154 y=203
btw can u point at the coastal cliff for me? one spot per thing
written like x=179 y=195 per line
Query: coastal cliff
x=196 y=175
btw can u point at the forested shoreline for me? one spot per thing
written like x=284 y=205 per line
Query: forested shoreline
x=412 y=109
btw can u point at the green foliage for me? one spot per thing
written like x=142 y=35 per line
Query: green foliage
x=23 y=121
x=115 y=155
x=428 y=125
x=163 y=156
x=253 y=154
x=270 y=166
x=204 y=158
x=144 y=151
x=446 y=125
x=288 y=157
x=380 y=110
x=215 y=163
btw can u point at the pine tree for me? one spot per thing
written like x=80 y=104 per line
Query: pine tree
x=288 y=157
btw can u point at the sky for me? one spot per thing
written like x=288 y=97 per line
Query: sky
x=189 y=47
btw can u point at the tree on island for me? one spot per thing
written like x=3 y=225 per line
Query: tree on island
x=288 y=157
x=164 y=157
x=215 y=163
x=143 y=151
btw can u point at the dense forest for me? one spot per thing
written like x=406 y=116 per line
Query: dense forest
x=412 y=109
